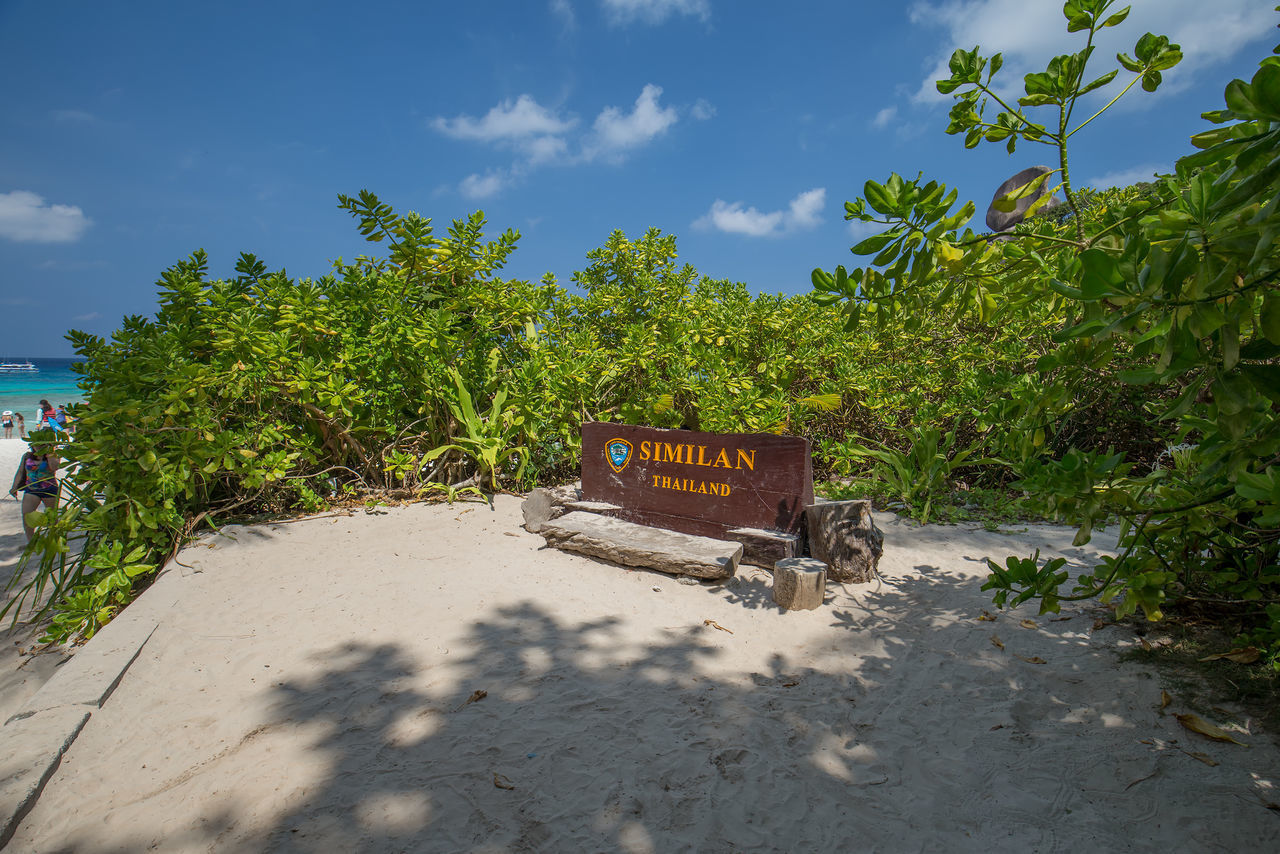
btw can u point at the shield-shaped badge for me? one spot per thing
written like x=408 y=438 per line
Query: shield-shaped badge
x=618 y=453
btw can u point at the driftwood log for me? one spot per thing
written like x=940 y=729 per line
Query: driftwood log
x=799 y=583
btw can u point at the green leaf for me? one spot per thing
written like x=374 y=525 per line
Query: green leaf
x=1269 y=317
x=1138 y=376
x=1041 y=83
x=1259 y=487
x=1099 y=83
x=822 y=402
x=889 y=253
x=879 y=196
x=1077 y=18
x=875 y=243
x=1040 y=203
x=1265 y=378
x=1129 y=63
x=1100 y=276
x=1117 y=18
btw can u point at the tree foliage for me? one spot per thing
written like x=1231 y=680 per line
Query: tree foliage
x=1170 y=291
x=420 y=372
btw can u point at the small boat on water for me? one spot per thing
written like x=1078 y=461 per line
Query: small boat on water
x=18 y=368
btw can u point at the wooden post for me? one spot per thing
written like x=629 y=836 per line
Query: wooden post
x=799 y=583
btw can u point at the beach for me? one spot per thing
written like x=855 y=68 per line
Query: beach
x=53 y=380
x=21 y=673
x=432 y=678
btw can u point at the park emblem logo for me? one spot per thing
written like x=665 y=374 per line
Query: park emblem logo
x=618 y=453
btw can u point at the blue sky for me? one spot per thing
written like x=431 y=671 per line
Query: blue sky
x=133 y=133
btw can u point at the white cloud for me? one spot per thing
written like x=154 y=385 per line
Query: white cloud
x=85 y=318
x=733 y=218
x=564 y=11
x=25 y=217
x=702 y=109
x=860 y=231
x=1126 y=177
x=544 y=149
x=1028 y=34
x=541 y=137
x=806 y=207
x=621 y=12
x=614 y=131
x=883 y=117
x=520 y=119
x=522 y=124
x=483 y=186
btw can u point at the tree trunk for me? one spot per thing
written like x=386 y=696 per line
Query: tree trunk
x=799 y=583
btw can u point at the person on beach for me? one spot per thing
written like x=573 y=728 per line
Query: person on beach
x=37 y=477
x=48 y=418
x=6 y=421
x=22 y=425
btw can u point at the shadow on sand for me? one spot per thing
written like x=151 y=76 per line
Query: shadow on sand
x=558 y=736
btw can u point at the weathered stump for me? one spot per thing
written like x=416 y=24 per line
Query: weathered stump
x=799 y=583
x=542 y=505
x=843 y=535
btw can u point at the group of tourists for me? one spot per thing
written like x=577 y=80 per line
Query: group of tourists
x=47 y=418
x=37 y=474
x=10 y=419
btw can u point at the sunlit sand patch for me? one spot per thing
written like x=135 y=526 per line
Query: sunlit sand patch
x=395 y=813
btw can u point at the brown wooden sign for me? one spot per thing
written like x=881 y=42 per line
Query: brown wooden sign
x=699 y=483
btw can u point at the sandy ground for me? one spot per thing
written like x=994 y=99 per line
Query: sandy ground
x=431 y=678
x=24 y=665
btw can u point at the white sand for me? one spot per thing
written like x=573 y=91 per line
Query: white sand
x=309 y=692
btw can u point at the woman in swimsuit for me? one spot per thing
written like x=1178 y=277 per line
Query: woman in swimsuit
x=37 y=477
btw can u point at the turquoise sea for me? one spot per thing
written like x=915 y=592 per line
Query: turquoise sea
x=53 y=382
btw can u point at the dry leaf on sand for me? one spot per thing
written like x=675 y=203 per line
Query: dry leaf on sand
x=1029 y=624
x=1035 y=659
x=1202 y=757
x=476 y=696
x=996 y=642
x=713 y=624
x=1098 y=624
x=1165 y=700
x=1242 y=655
x=986 y=617
x=1146 y=646
x=502 y=782
x=1195 y=723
